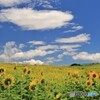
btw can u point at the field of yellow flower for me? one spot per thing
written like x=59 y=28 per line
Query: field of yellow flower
x=26 y=82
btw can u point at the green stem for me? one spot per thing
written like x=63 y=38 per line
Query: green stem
x=21 y=91
x=8 y=94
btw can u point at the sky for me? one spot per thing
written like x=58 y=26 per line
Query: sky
x=58 y=32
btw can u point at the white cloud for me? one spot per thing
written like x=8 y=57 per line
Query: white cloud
x=13 y=52
x=70 y=47
x=48 y=47
x=64 y=50
x=30 y=19
x=66 y=53
x=8 y=3
x=31 y=3
x=10 y=48
x=43 y=3
x=33 y=62
x=77 y=27
x=76 y=39
x=68 y=50
x=52 y=60
x=74 y=29
x=21 y=46
x=36 y=43
x=31 y=54
x=87 y=56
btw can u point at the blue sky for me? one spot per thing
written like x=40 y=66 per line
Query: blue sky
x=58 y=32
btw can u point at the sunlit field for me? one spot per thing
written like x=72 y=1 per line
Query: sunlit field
x=26 y=82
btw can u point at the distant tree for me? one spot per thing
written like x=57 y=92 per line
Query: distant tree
x=75 y=64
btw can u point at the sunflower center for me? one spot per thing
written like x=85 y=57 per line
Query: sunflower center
x=33 y=87
x=94 y=75
x=1 y=70
x=8 y=81
x=88 y=83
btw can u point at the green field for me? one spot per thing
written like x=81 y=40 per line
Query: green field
x=46 y=82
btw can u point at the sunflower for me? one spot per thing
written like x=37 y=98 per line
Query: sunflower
x=88 y=83
x=2 y=71
x=8 y=81
x=94 y=75
x=32 y=86
x=69 y=73
x=25 y=70
x=15 y=68
x=89 y=73
x=29 y=71
x=42 y=81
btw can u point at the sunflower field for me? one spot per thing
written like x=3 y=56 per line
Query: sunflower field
x=27 y=82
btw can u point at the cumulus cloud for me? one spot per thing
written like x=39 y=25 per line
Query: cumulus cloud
x=33 y=62
x=30 y=19
x=87 y=56
x=8 y=3
x=31 y=54
x=31 y=3
x=10 y=48
x=37 y=52
x=81 y=38
x=13 y=52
